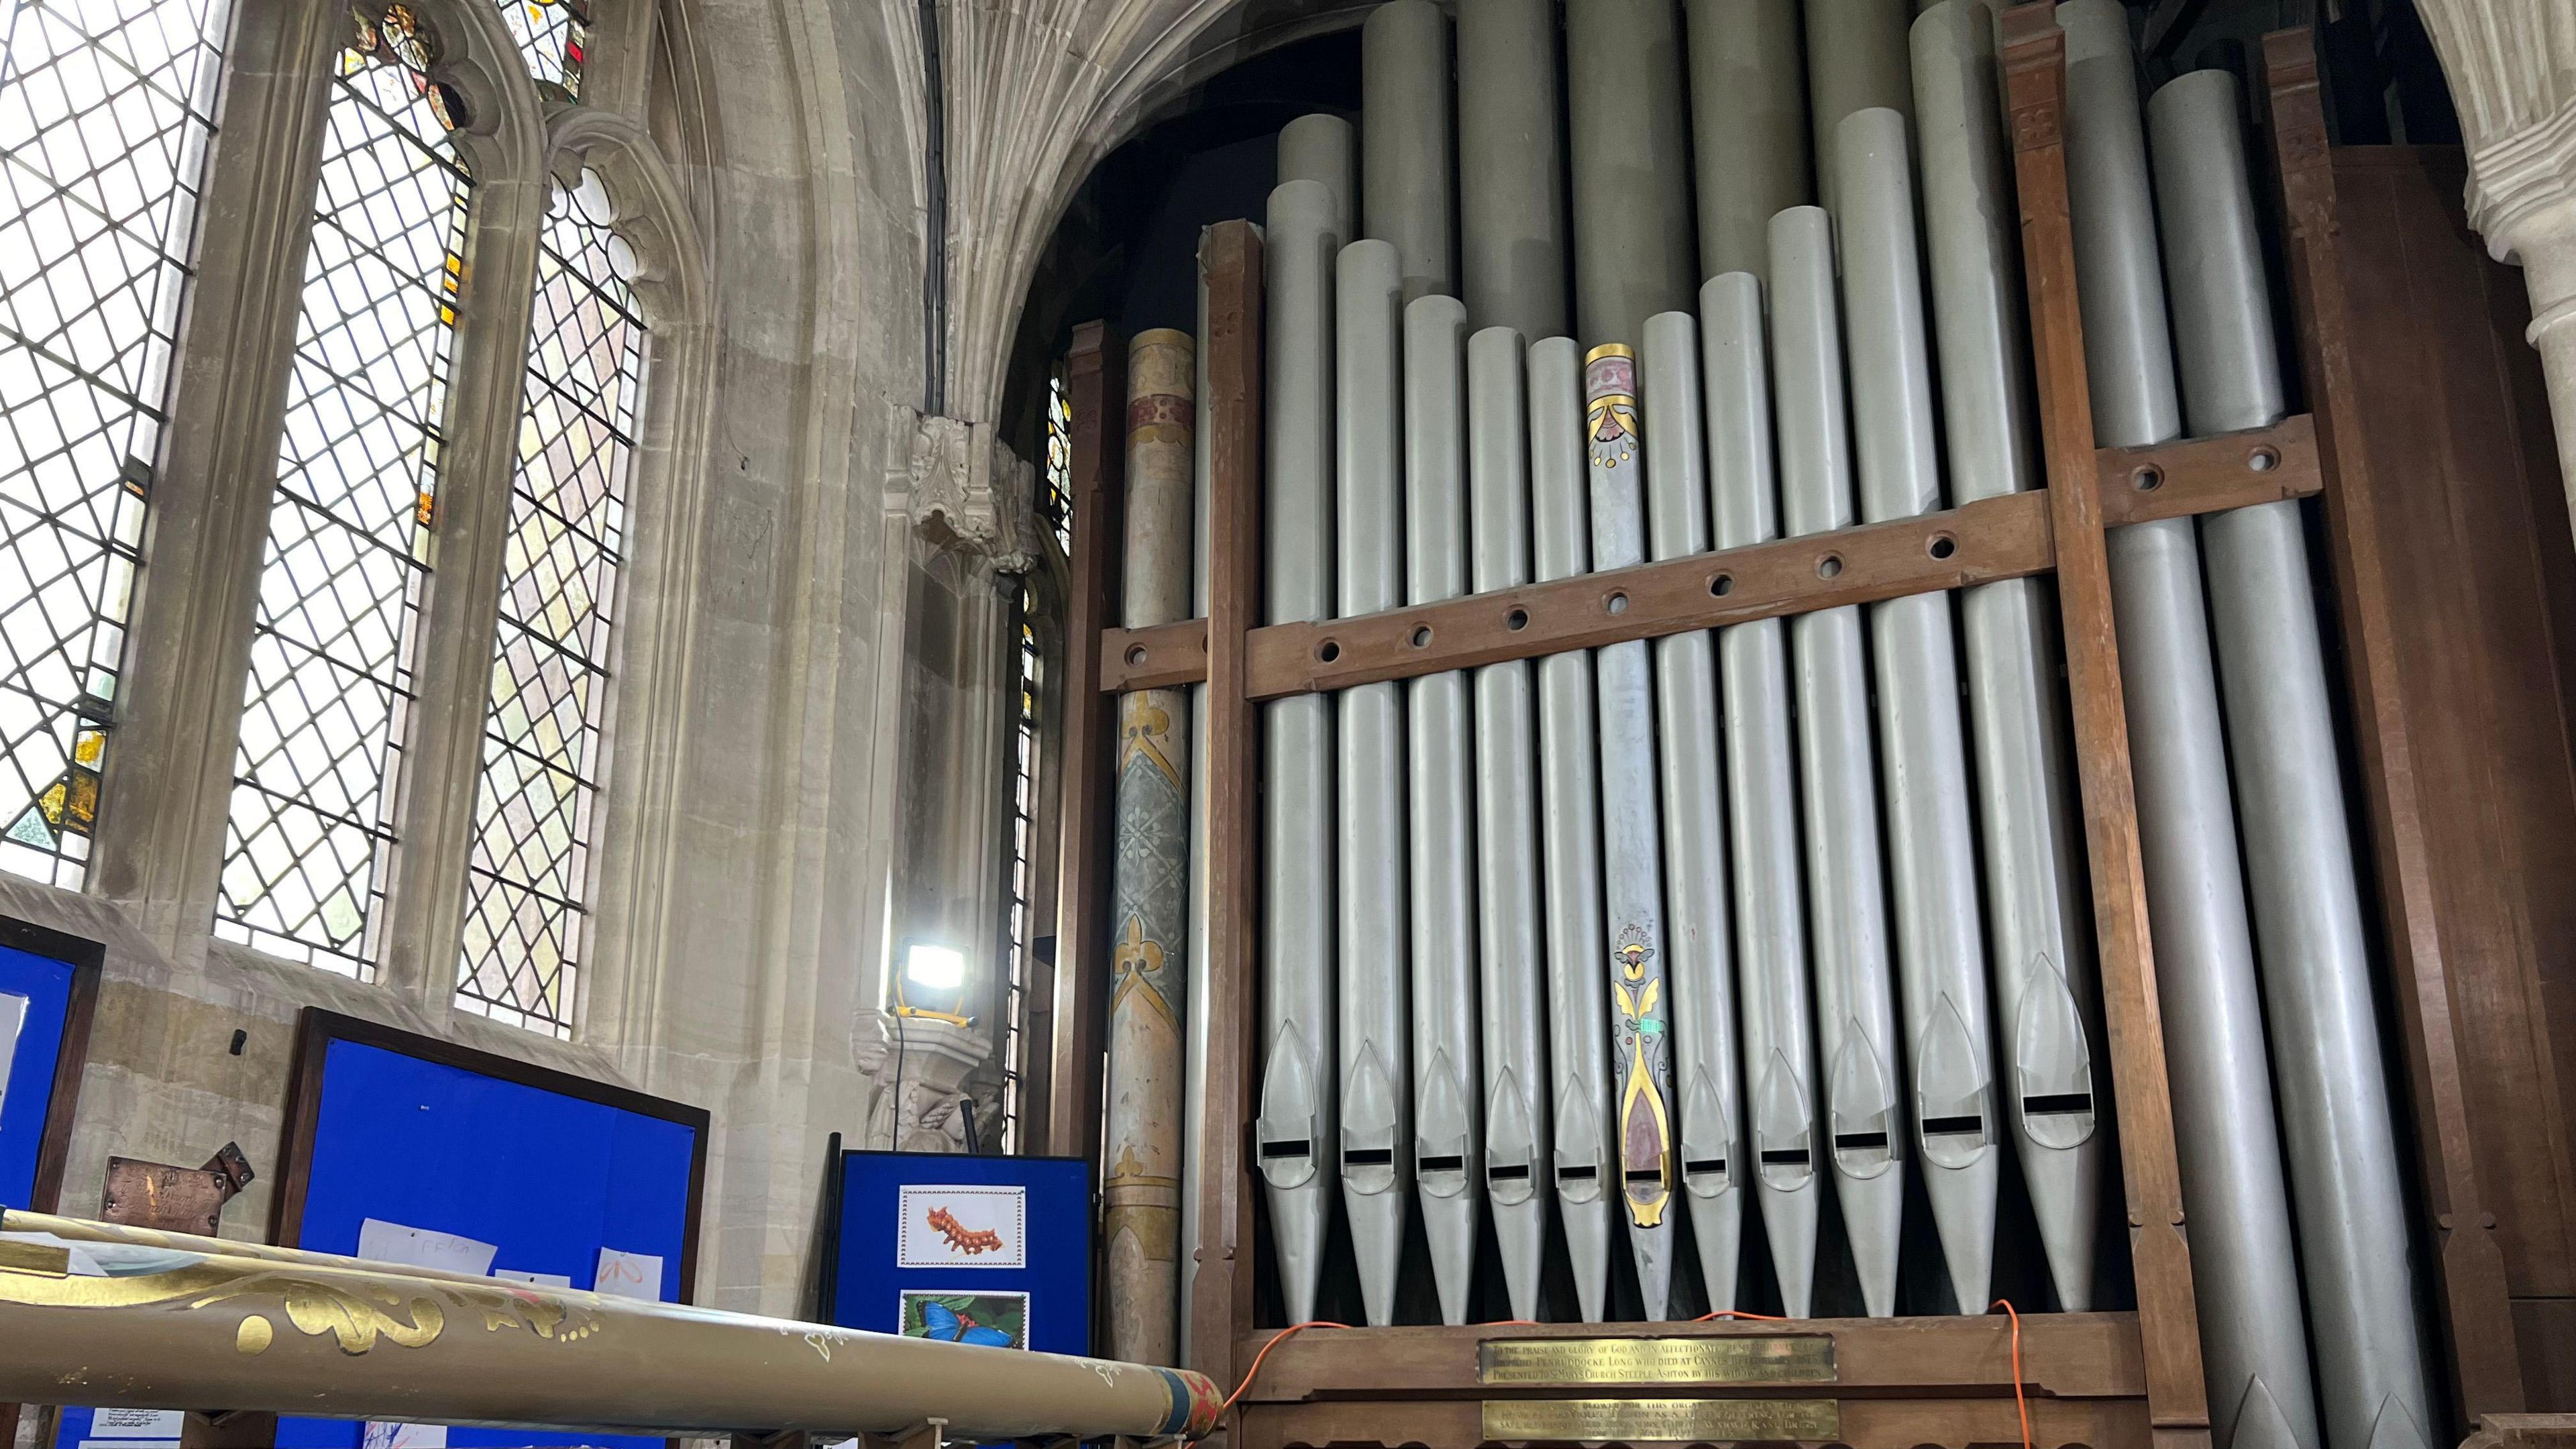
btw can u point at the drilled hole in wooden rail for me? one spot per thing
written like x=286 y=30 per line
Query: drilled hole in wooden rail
x=1135 y=656
x=1942 y=546
x=1721 y=585
x=1830 y=566
x=2147 y=479
x=1616 y=603
x=1329 y=650
x=1422 y=637
x=2263 y=460
x=1516 y=619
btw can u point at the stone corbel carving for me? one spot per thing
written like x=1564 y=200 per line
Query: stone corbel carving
x=971 y=494
x=917 y=1071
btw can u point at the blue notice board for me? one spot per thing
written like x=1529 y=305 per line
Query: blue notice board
x=547 y=1167
x=47 y=984
x=990 y=1250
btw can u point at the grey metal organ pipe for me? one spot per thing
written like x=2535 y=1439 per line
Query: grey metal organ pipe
x=1699 y=958
x=1632 y=208
x=1405 y=167
x=1368 y=518
x=1448 y=1138
x=2326 y=1058
x=1748 y=93
x=1510 y=948
x=1856 y=59
x=1762 y=806
x=2244 y=1263
x=1321 y=148
x=1940 y=937
x=1856 y=1031
x=2046 y=986
x=1570 y=835
x=1298 y=1130
x=1511 y=167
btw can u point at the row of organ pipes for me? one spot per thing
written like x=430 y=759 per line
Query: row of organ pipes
x=1713 y=927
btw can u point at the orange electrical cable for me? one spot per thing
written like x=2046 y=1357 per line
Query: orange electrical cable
x=2021 y=1400
x=1734 y=1313
x=1276 y=1339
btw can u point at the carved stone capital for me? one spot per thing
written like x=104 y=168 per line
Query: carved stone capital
x=918 y=1070
x=970 y=493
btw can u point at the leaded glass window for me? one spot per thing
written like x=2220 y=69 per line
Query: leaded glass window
x=311 y=831
x=1055 y=490
x=105 y=109
x=529 y=873
x=552 y=35
x=1017 y=923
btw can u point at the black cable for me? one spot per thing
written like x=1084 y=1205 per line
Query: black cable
x=894 y=1131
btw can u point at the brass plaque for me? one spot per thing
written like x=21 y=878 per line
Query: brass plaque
x=1651 y=1421
x=1783 y=1359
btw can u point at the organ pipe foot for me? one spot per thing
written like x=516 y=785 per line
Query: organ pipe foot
x=1789 y=1213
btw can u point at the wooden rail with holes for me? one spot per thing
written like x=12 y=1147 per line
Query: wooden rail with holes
x=1997 y=538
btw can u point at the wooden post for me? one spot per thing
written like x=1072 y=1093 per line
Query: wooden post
x=1096 y=391
x=2372 y=587
x=2168 y=1316
x=1221 y=1281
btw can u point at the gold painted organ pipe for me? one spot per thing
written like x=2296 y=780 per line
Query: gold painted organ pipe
x=150 y=1323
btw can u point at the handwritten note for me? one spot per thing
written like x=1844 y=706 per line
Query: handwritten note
x=409 y=1247
x=534 y=1280
x=629 y=1275
x=136 y=1423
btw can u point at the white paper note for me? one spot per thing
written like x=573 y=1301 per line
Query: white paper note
x=629 y=1275
x=13 y=1016
x=534 y=1280
x=386 y=1242
x=136 y=1424
x=406 y=1436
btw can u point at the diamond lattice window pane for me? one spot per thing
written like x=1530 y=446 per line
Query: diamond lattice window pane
x=311 y=833
x=105 y=107
x=529 y=872
x=552 y=35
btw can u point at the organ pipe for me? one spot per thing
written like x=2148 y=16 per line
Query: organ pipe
x=1141 y=1145
x=1632 y=208
x=1762 y=805
x=1321 y=148
x=2044 y=973
x=1856 y=1023
x=1570 y=834
x=1856 y=59
x=1748 y=94
x=1699 y=959
x=2326 y=1061
x=1511 y=952
x=1406 y=168
x=1948 y=1044
x=1511 y=167
x=2243 y=1257
x=1447 y=1080
x=1298 y=1131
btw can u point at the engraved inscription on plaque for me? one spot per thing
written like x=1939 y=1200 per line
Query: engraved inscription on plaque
x=1651 y=1421
x=1782 y=1359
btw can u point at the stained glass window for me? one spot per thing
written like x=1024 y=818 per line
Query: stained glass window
x=311 y=833
x=532 y=821
x=1055 y=490
x=1018 y=926
x=104 y=114
x=552 y=35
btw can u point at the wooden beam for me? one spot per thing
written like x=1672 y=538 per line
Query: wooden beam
x=2168 y=1316
x=1997 y=538
x=2371 y=585
x=1096 y=391
x=1220 y=1283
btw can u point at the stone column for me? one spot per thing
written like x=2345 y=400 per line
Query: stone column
x=1149 y=924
